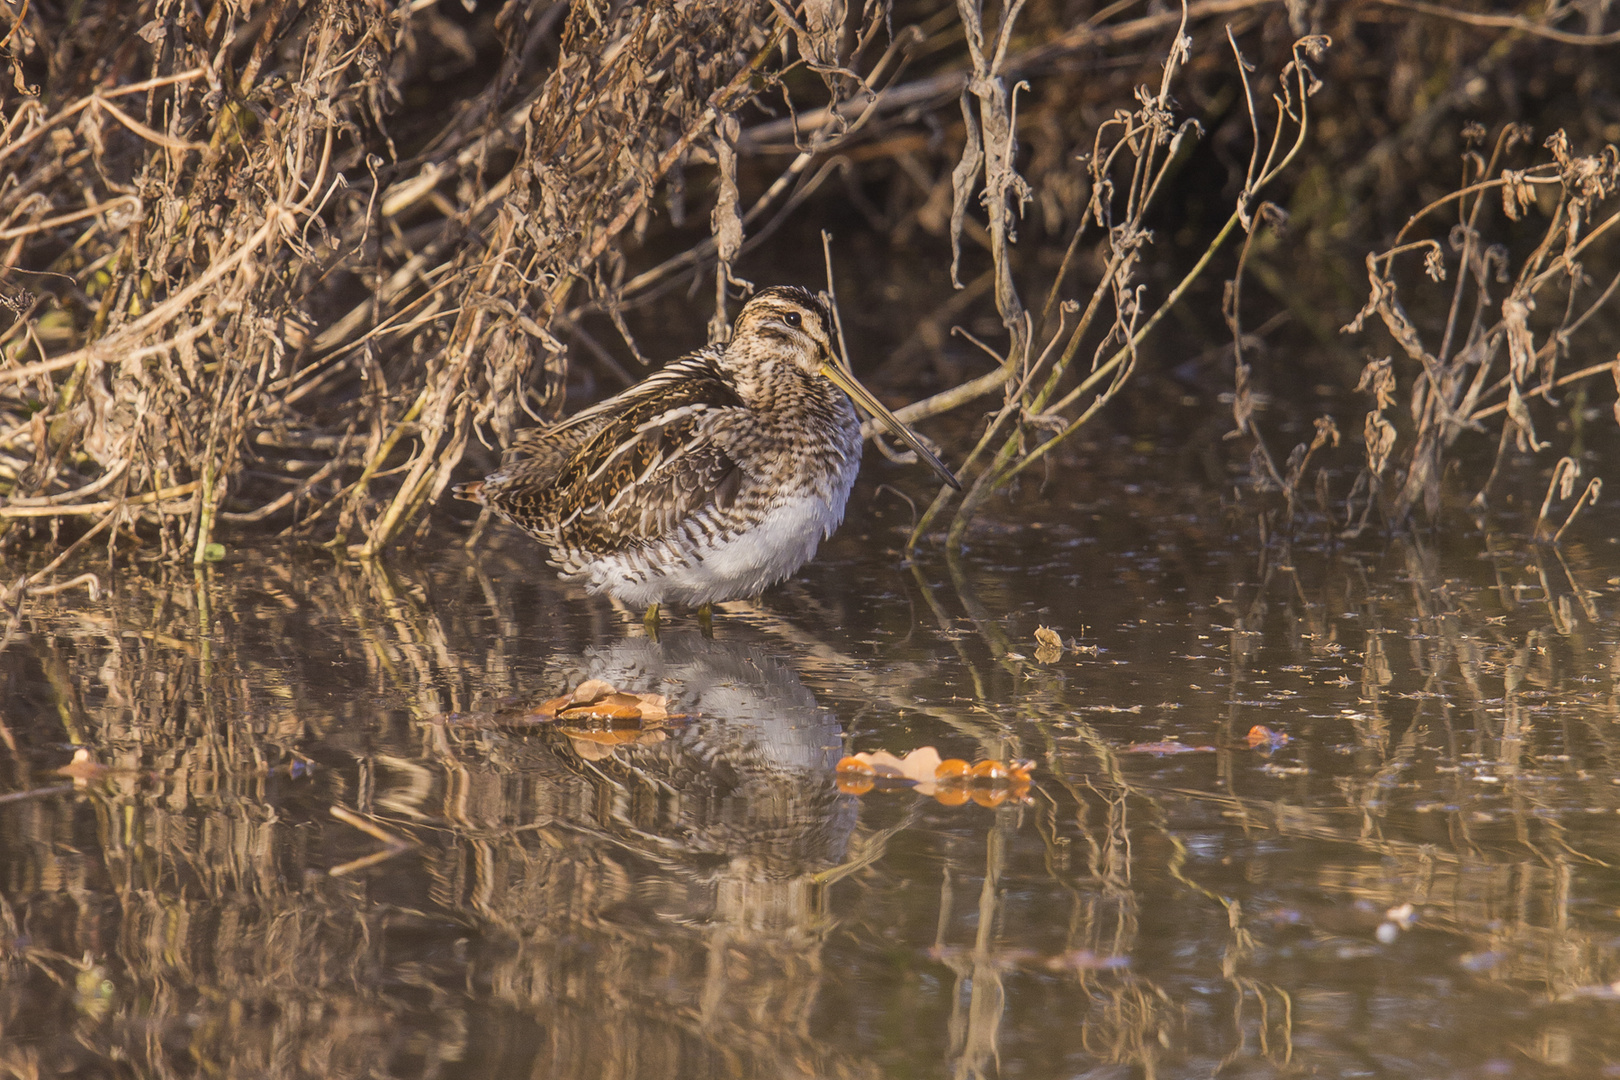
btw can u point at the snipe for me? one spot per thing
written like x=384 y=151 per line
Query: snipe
x=709 y=480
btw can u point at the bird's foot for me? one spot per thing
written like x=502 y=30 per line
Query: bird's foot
x=650 y=621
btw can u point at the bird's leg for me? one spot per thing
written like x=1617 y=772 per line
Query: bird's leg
x=706 y=619
x=650 y=621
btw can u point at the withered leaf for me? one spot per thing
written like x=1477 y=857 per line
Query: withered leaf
x=601 y=700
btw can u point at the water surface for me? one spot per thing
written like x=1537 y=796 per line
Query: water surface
x=327 y=838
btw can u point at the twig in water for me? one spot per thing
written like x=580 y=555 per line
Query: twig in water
x=396 y=845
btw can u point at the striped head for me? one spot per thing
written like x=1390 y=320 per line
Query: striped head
x=780 y=324
x=783 y=344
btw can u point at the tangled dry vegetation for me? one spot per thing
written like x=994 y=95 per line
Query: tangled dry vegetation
x=1508 y=335
x=274 y=264
x=259 y=288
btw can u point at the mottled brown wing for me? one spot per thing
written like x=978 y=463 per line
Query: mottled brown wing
x=657 y=461
x=538 y=454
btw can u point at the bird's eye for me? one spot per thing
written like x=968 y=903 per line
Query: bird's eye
x=793 y=319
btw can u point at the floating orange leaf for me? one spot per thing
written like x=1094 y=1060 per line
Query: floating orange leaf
x=951 y=781
x=594 y=744
x=599 y=718
x=990 y=769
x=1262 y=737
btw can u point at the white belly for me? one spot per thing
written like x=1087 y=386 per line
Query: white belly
x=779 y=543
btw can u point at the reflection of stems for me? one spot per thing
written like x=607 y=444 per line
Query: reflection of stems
x=205 y=515
x=205 y=623
x=1583 y=596
x=865 y=851
x=977 y=1015
x=394 y=844
x=994 y=636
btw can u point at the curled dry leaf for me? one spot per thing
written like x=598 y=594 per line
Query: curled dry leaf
x=601 y=700
x=1048 y=645
x=1379 y=377
x=1379 y=435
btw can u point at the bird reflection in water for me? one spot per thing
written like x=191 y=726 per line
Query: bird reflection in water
x=724 y=818
x=669 y=880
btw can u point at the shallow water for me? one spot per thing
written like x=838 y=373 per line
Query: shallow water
x=1421 y=882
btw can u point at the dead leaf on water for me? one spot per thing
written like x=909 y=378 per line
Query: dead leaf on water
x=1048 y=645
x=951 y=781
x=599 y=699
x=918 y=766
x=597 y=717
x=600 y=744
x=1265 y=740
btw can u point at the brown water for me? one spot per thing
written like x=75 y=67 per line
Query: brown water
x=1422 y=882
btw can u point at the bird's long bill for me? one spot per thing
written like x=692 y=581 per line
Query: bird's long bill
x=863 y=397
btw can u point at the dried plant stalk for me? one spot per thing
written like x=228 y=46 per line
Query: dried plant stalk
x=1485 y=368
x=1141 y=145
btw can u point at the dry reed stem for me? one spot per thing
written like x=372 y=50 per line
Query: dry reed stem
x=1149 y=141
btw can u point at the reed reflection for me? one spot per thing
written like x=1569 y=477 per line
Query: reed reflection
x=324 y=835
x=334 y=828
